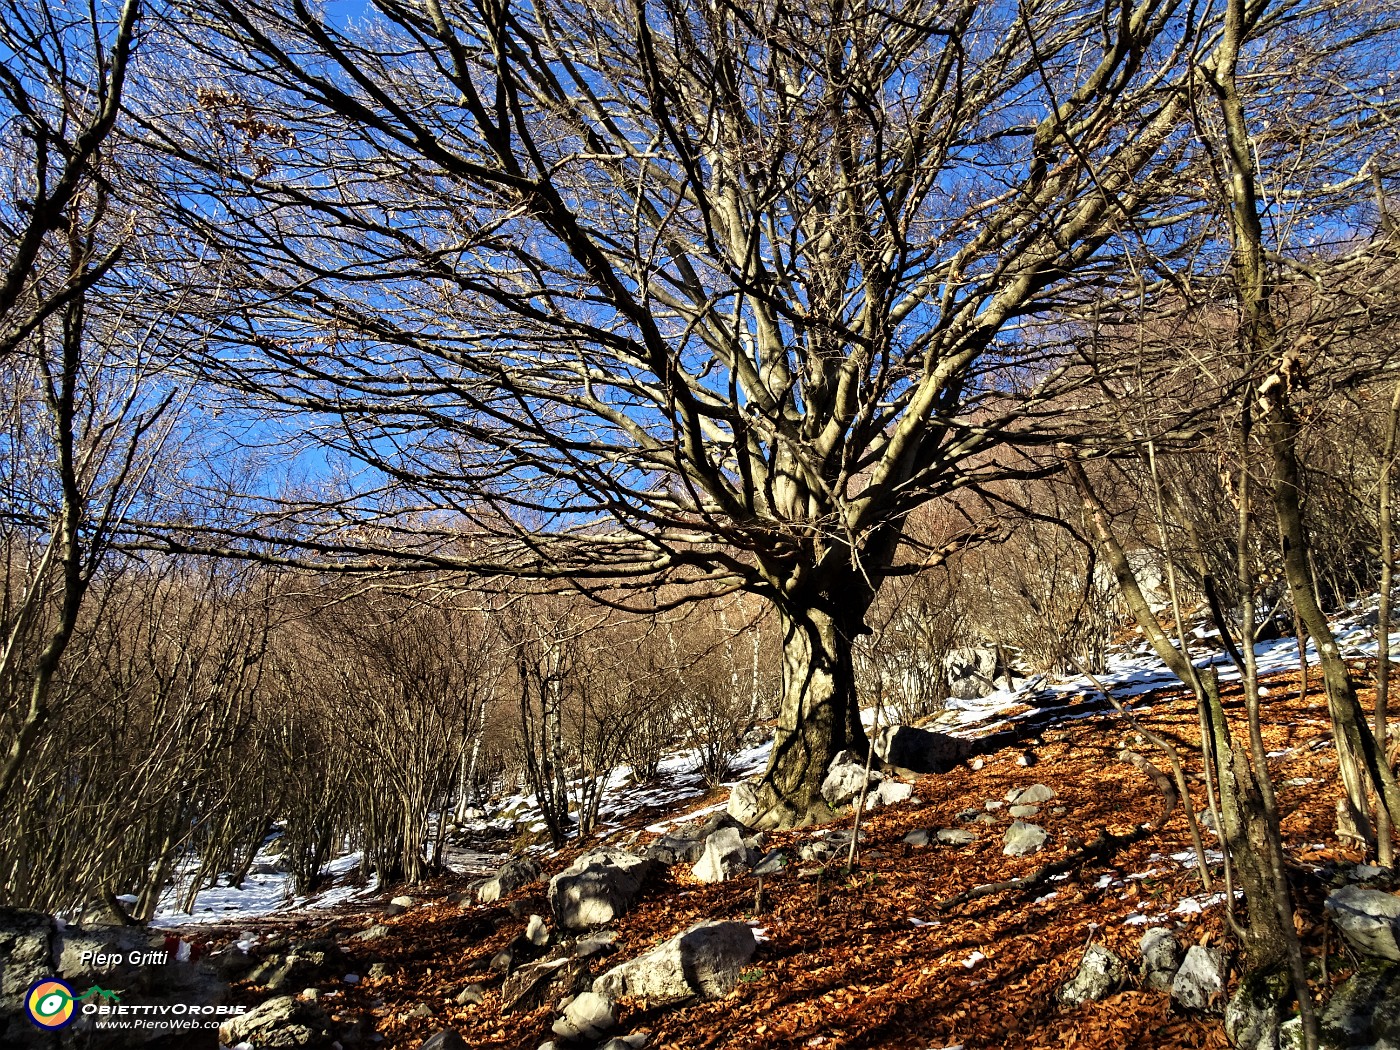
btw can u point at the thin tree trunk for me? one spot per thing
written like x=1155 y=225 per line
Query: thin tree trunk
x=1385 y=846
x=1358 y=757
x=62 y=396
x=1243 y=816
x=1273 y=855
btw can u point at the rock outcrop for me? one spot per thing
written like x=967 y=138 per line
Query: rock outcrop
x=140 y=962
x=1369 y=920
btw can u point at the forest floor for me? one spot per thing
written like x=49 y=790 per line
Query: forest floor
x=872 y=957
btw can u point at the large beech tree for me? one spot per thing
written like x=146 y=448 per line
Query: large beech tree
x=631 y=292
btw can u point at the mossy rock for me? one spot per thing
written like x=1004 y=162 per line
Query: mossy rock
x=1254 y=1015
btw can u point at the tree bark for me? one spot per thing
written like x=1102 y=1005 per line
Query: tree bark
x=1359 y=758
x=819 y=715
x=1244 y=814
x=1385 y=848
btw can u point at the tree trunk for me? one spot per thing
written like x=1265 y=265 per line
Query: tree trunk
x=1385 y=848
x=1246 y=825
x=819 y=715
x=1245 y=818
x=1359 y=758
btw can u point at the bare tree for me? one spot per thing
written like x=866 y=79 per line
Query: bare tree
x=706 y=292
x=1275 y=350
x=155 y=689
x=86 y=423
x=400 y=682
x=84 y=402
x=1257 y=329
x=61 y=86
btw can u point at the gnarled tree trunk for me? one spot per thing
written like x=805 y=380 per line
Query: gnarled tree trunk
x=819 y=715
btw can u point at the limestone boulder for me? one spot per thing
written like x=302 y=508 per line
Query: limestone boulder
x=1369 y=919
x=514 y=874
x=1100 y=974
x=283 y=1023
x=1161 y=956
x=596 y=888
x=703 y=962
x=1022 y=839
x=1199 y=983
x=725 y=855
x=918 y=750
x=846 y=778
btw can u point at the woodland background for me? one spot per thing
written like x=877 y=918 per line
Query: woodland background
x=409 y=404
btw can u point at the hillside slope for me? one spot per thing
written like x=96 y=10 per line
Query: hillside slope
x=883 y=956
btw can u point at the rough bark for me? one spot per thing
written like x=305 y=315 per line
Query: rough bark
x=818 y=716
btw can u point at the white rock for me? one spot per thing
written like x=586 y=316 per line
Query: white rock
x=725 y=855
x=514 y=873
x=955 y=837
x=1031 y=796
x=703 y=962
x=588 y=1015
x=1364 y=1012
x=1100 y=973
x=845 y=779
x=632 y=1041
x=1022 y=839
x=536 y=931
x=296 y=1021
x=743 y=805
x=890 y=792
x=1160 y=957
x=596 y=888
x=1369 y=920
x=1200 y=982
x=918 y=750
x=971 y=672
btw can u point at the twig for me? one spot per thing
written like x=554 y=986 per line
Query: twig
x=1104 y=845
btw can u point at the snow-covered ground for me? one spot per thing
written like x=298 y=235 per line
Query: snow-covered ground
x=1128 y=675
x=1140 y=672
x=265 y=894
x=260 y=895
